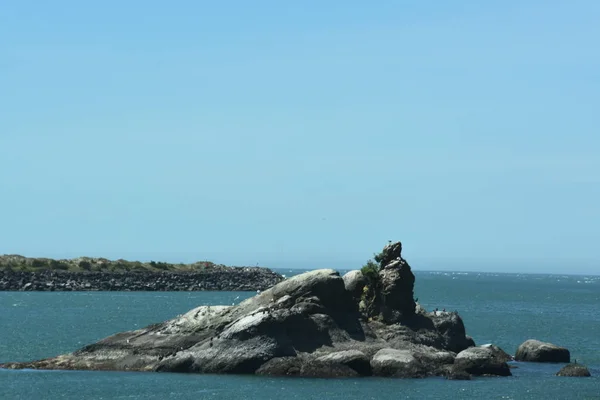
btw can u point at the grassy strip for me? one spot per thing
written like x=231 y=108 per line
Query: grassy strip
x=81 y=264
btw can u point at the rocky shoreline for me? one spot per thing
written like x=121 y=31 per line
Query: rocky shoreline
x=221 y=278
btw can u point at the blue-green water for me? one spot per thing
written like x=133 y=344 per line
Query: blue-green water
x=505 y=309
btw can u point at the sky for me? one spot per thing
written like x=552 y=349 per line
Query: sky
x=303 y=134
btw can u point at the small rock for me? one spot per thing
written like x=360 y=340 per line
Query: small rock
x=574 y=370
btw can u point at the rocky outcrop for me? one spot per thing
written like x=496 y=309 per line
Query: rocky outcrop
x=577 y=370
x=537 y=351
x=225 y=278
x=389 y=289
x=308 y=325
x=391 y=252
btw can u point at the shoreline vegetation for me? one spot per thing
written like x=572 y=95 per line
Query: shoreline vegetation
x=19 y=273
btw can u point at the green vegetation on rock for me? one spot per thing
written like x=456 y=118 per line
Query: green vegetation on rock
x=369 y=296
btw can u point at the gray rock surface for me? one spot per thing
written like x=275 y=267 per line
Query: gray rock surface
x=397 y=296
x=354 y=281
x=577 y=370
x=486 y=360
x=499 y=354
x=391 y=252
x=537 y=351
x=221 y=278
x=397 y=363
x=308 y=325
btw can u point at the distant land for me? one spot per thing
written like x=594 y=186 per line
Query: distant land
x=19 y=273
x=20 y=263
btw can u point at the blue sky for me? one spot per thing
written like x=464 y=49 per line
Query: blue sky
x=303 y=134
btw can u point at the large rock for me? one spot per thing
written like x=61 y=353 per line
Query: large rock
x=574 y=370
x=397 y=295
x=397 y=363
x=481 y=361
x=308 y=325
x=355 y=281
x=537 y=351
x=452 y=329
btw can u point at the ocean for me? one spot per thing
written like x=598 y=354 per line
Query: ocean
x=504 y=309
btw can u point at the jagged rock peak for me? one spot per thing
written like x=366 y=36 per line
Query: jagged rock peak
x=390 y=286
x=392 y=251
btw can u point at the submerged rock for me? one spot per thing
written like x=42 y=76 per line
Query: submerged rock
x=537 y=351
x=577 y=370
x=308 y=325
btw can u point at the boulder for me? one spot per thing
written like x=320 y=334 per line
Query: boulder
x=537 y=351
x=578 y=370
x=452 y=330
x=354 y=359
x=354 y=282
x=499 y=354
x=397 y=363
x=324 y=284
x=481 y=361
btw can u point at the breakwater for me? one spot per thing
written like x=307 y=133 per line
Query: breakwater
x=225 y=278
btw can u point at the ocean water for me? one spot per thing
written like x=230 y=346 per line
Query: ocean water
x=504 y=309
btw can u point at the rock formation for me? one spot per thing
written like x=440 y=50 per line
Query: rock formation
x=537 y=351
x=308 y=325
x=578 y=370
x=389 y=287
